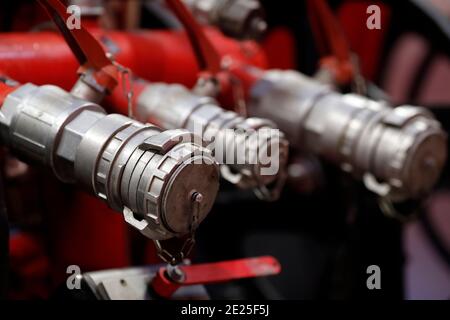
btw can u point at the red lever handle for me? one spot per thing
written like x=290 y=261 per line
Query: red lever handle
x=231 y=88
x=331 y=40
x=230 y=270
x=85 y=47
x=326 y=28
x=164 y=285
x=208 y=57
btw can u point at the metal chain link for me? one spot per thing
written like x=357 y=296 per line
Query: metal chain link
x=127 y=86
x=359 y=84
x=270 y=194
x=176 y=258
x=239 y=97
x=387 y=207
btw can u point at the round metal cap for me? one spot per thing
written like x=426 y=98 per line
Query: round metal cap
x=189 y=195
x=424 y=166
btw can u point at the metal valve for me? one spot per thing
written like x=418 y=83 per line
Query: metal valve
x=252 y=152
x=398 y=152
x=236 y=18
x=165 y=182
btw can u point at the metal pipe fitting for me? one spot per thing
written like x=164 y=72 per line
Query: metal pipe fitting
x=398 y=152
x=149 y=174
x=236 y=18
x=252 y=152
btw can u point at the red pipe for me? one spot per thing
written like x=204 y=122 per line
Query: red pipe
x=166 y=56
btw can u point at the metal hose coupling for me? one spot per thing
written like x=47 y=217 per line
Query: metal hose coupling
x=252 y=152
x=164 y=182
x=244 y=19
x=398 y=152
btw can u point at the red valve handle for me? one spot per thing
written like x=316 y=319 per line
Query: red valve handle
x=331 y=40
x=85 y=47
x=211 y=63
x=210 y=273
x=208 y=57
x=329 y=35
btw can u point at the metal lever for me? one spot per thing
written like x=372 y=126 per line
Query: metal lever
x=93 y=60
x=84 y=46
x=331 y=42
x=215 y=68
x=170 y=279
x=208 y=57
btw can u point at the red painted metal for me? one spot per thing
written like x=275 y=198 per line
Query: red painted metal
x=85 y=47
x=5 y=88
x=84 y=231
x=162 y=285
x=4 y=91
x=230 y=270
x=91 y=55
x=208 y=58
x=166 y=56
x=210 y=273
x=284 y=59
x=213 y=64
x=330 y=38
x=367 y=44
x=331 y=41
